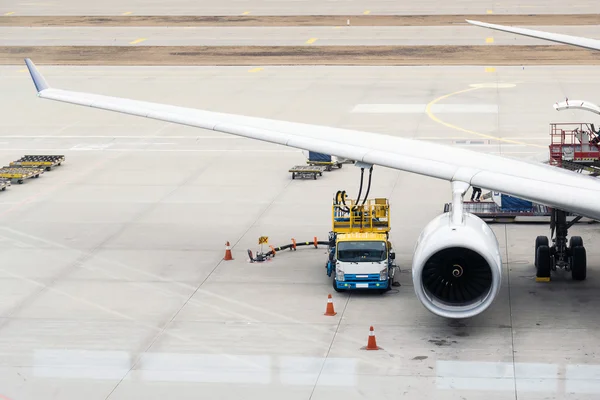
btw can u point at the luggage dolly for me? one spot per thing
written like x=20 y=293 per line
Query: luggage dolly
x=4 y=183
x=39 y=161
x=20 y=173
x=306 y=171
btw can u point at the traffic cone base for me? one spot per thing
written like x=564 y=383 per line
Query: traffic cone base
x=329 y=311
x=228 y=256
x=372 y=342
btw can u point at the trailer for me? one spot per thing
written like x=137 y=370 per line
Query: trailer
x=325 y=160
x=4 y=183
x=20 y=173
x=46 y=162
x=504 y=208
x=306 y=171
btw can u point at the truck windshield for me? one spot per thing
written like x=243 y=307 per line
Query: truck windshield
x=361 y=251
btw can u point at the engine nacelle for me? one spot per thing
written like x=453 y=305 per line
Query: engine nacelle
x=457 y=269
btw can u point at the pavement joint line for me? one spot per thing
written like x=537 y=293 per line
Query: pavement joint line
x=458 y=128
x=337 y=328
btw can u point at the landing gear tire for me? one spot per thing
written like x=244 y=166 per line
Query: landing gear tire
x=575 y=241
x=544 y=262
x=578 y=263
x=539 y=241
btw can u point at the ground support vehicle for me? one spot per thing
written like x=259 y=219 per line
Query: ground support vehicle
x=360 y=254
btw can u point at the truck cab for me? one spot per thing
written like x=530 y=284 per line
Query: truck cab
x=360 y=254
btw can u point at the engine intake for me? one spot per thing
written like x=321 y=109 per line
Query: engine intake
x=457 y=276
x=457 y=269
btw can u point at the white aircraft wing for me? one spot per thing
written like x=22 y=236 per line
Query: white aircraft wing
x=578 y=105
x=591 y=44
x=540 y=183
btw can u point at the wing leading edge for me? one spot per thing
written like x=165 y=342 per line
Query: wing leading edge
x=591 y=44
x=536 y=182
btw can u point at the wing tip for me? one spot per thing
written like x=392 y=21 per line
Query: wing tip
x=38 y=80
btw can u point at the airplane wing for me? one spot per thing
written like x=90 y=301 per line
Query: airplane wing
x=591 y=44
x=578 y=105
x=540 y=183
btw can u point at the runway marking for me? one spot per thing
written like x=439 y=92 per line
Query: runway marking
x=246 y=13
x=127 y=13
x=255 y=69
x=458 y=128
x=490 y=69
x=367 y=12
x=136 y=41
x=9 y=13
x=311 y=40
x=489 y=40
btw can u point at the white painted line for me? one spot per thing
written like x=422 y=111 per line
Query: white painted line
x=421 y=108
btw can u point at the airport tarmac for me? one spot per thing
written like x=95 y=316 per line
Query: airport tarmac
x=112 y=284
x=296 y=7
x=276 y=36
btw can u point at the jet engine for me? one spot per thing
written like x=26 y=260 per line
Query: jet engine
x=457 y=268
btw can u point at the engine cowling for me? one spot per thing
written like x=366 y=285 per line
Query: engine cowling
x=457 y=269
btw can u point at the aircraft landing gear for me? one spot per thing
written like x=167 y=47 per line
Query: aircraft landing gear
x=571 y=257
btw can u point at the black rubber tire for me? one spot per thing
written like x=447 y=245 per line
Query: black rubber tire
x=578 y=263
x=293 y=175
x=575 y=241
x=539 y=241
x=315 y=177
x=543 y=262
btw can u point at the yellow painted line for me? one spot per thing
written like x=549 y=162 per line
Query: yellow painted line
x=255 y=70
x=367 y=12
x=246 y=13
x=23 y=70
x=311 y=40
x=490 y=69
x=489 y=12
x=136 y=41
x=127 y=13
x=9 y=13
x=538 y=279
x=337 y=27
x=458 y=128
x=489 y=40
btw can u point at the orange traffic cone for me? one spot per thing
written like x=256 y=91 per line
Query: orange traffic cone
x=329 y=311
x=228 y=256
x=372 y=343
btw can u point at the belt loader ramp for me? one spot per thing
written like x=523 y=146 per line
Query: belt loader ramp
x=360 y=254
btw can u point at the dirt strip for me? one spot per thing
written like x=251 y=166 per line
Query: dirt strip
x=300 y=55
x=294 y=20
